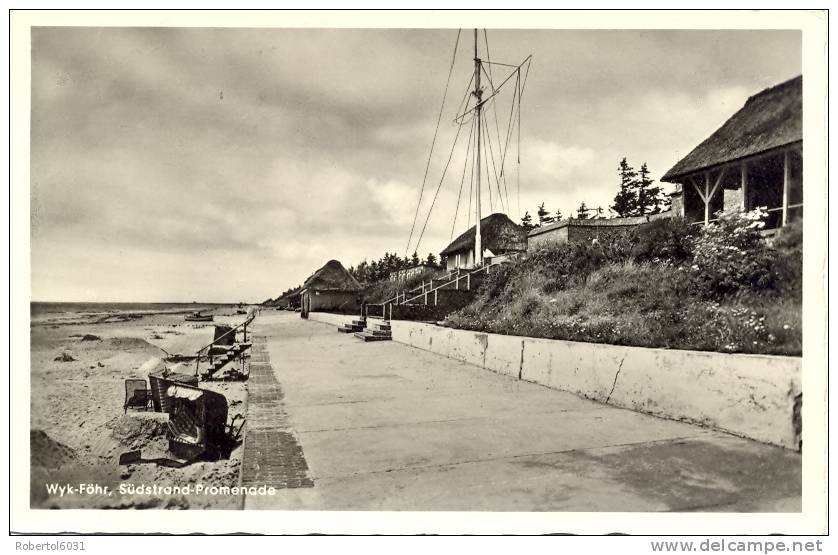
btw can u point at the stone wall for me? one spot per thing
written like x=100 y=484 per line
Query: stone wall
x=732 y=199
x=602 y=234
x=556 y=236
x=677 y=204
x=578 y=231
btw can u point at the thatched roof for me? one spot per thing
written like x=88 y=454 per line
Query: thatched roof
x=769 y=119
x=332 y=277
x=497 y=233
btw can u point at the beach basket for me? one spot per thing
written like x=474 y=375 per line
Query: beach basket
x=160 y=382
x=197 y=422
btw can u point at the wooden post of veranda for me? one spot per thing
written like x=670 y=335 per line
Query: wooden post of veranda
x=785 y=187
x=706 y=198
x=744 y=178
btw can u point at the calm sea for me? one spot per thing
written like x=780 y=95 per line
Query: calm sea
x=42 y=309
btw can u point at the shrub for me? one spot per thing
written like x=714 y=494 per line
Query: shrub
x=787 y=264
x=667 y=239
x=789 y=237
x=563 y=265
x=729 y=255
x=496 y=281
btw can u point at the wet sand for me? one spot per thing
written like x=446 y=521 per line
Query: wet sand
x=78 y=429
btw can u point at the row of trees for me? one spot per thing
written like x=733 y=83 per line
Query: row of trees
x=545 y=218
x=379 y=270
x=638 y=196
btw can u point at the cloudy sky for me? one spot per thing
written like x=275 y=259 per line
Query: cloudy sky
x=229 y=164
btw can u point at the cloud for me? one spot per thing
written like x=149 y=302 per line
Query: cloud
x=392 y=199
x=552 y=161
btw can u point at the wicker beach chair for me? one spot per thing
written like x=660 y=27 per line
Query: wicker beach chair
x=137 y=395
x=186 y=427
x=198 y=423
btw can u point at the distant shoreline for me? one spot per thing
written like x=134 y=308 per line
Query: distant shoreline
x=82 y=312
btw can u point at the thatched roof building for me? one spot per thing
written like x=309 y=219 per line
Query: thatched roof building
x=754 y=159
x=331 y=288
x=498 y=235
x=332 y=277
x=770 y=119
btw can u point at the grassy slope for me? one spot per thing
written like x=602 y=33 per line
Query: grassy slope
x=596 y=295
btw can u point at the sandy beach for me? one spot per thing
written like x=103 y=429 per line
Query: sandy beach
x=79 y=361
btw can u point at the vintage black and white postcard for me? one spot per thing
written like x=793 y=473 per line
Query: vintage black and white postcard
x=444 y=272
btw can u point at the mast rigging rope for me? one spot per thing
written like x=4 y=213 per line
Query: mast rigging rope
x=462 y=182
x=433 y=142
x=438 y=187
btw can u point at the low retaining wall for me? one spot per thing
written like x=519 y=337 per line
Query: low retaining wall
x=331 y=319
x=748 y=395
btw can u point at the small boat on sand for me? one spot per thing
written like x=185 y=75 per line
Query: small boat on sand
x=198 y=317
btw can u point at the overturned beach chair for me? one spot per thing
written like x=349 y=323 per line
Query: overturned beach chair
x=137 y=395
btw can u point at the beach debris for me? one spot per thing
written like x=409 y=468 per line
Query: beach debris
x=90 y=337
x=64 y=357
x=130 y=458
x=177 y=357
x=130 y=343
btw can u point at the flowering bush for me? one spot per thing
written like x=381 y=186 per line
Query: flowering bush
x=729 y=254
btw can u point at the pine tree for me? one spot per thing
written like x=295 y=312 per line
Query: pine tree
x=526 y=222
x=625 y=201
x=431 y=260
x=654 y=199
x=544 y=216
x=663 y=202
x=649 y=199
x=599 y=212
x=582 y=213
x=414 y=260
x=558 y=216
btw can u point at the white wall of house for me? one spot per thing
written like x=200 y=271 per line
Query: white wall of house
x=464 y=259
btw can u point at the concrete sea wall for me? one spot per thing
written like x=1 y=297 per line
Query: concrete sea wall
x=748 y=395
x=336 y=320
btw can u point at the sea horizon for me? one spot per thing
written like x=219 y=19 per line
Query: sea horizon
x=38 y=308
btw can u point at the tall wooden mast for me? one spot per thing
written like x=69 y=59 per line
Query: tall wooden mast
x=478 y=245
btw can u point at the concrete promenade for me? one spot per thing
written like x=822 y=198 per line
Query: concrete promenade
x=383 y=426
